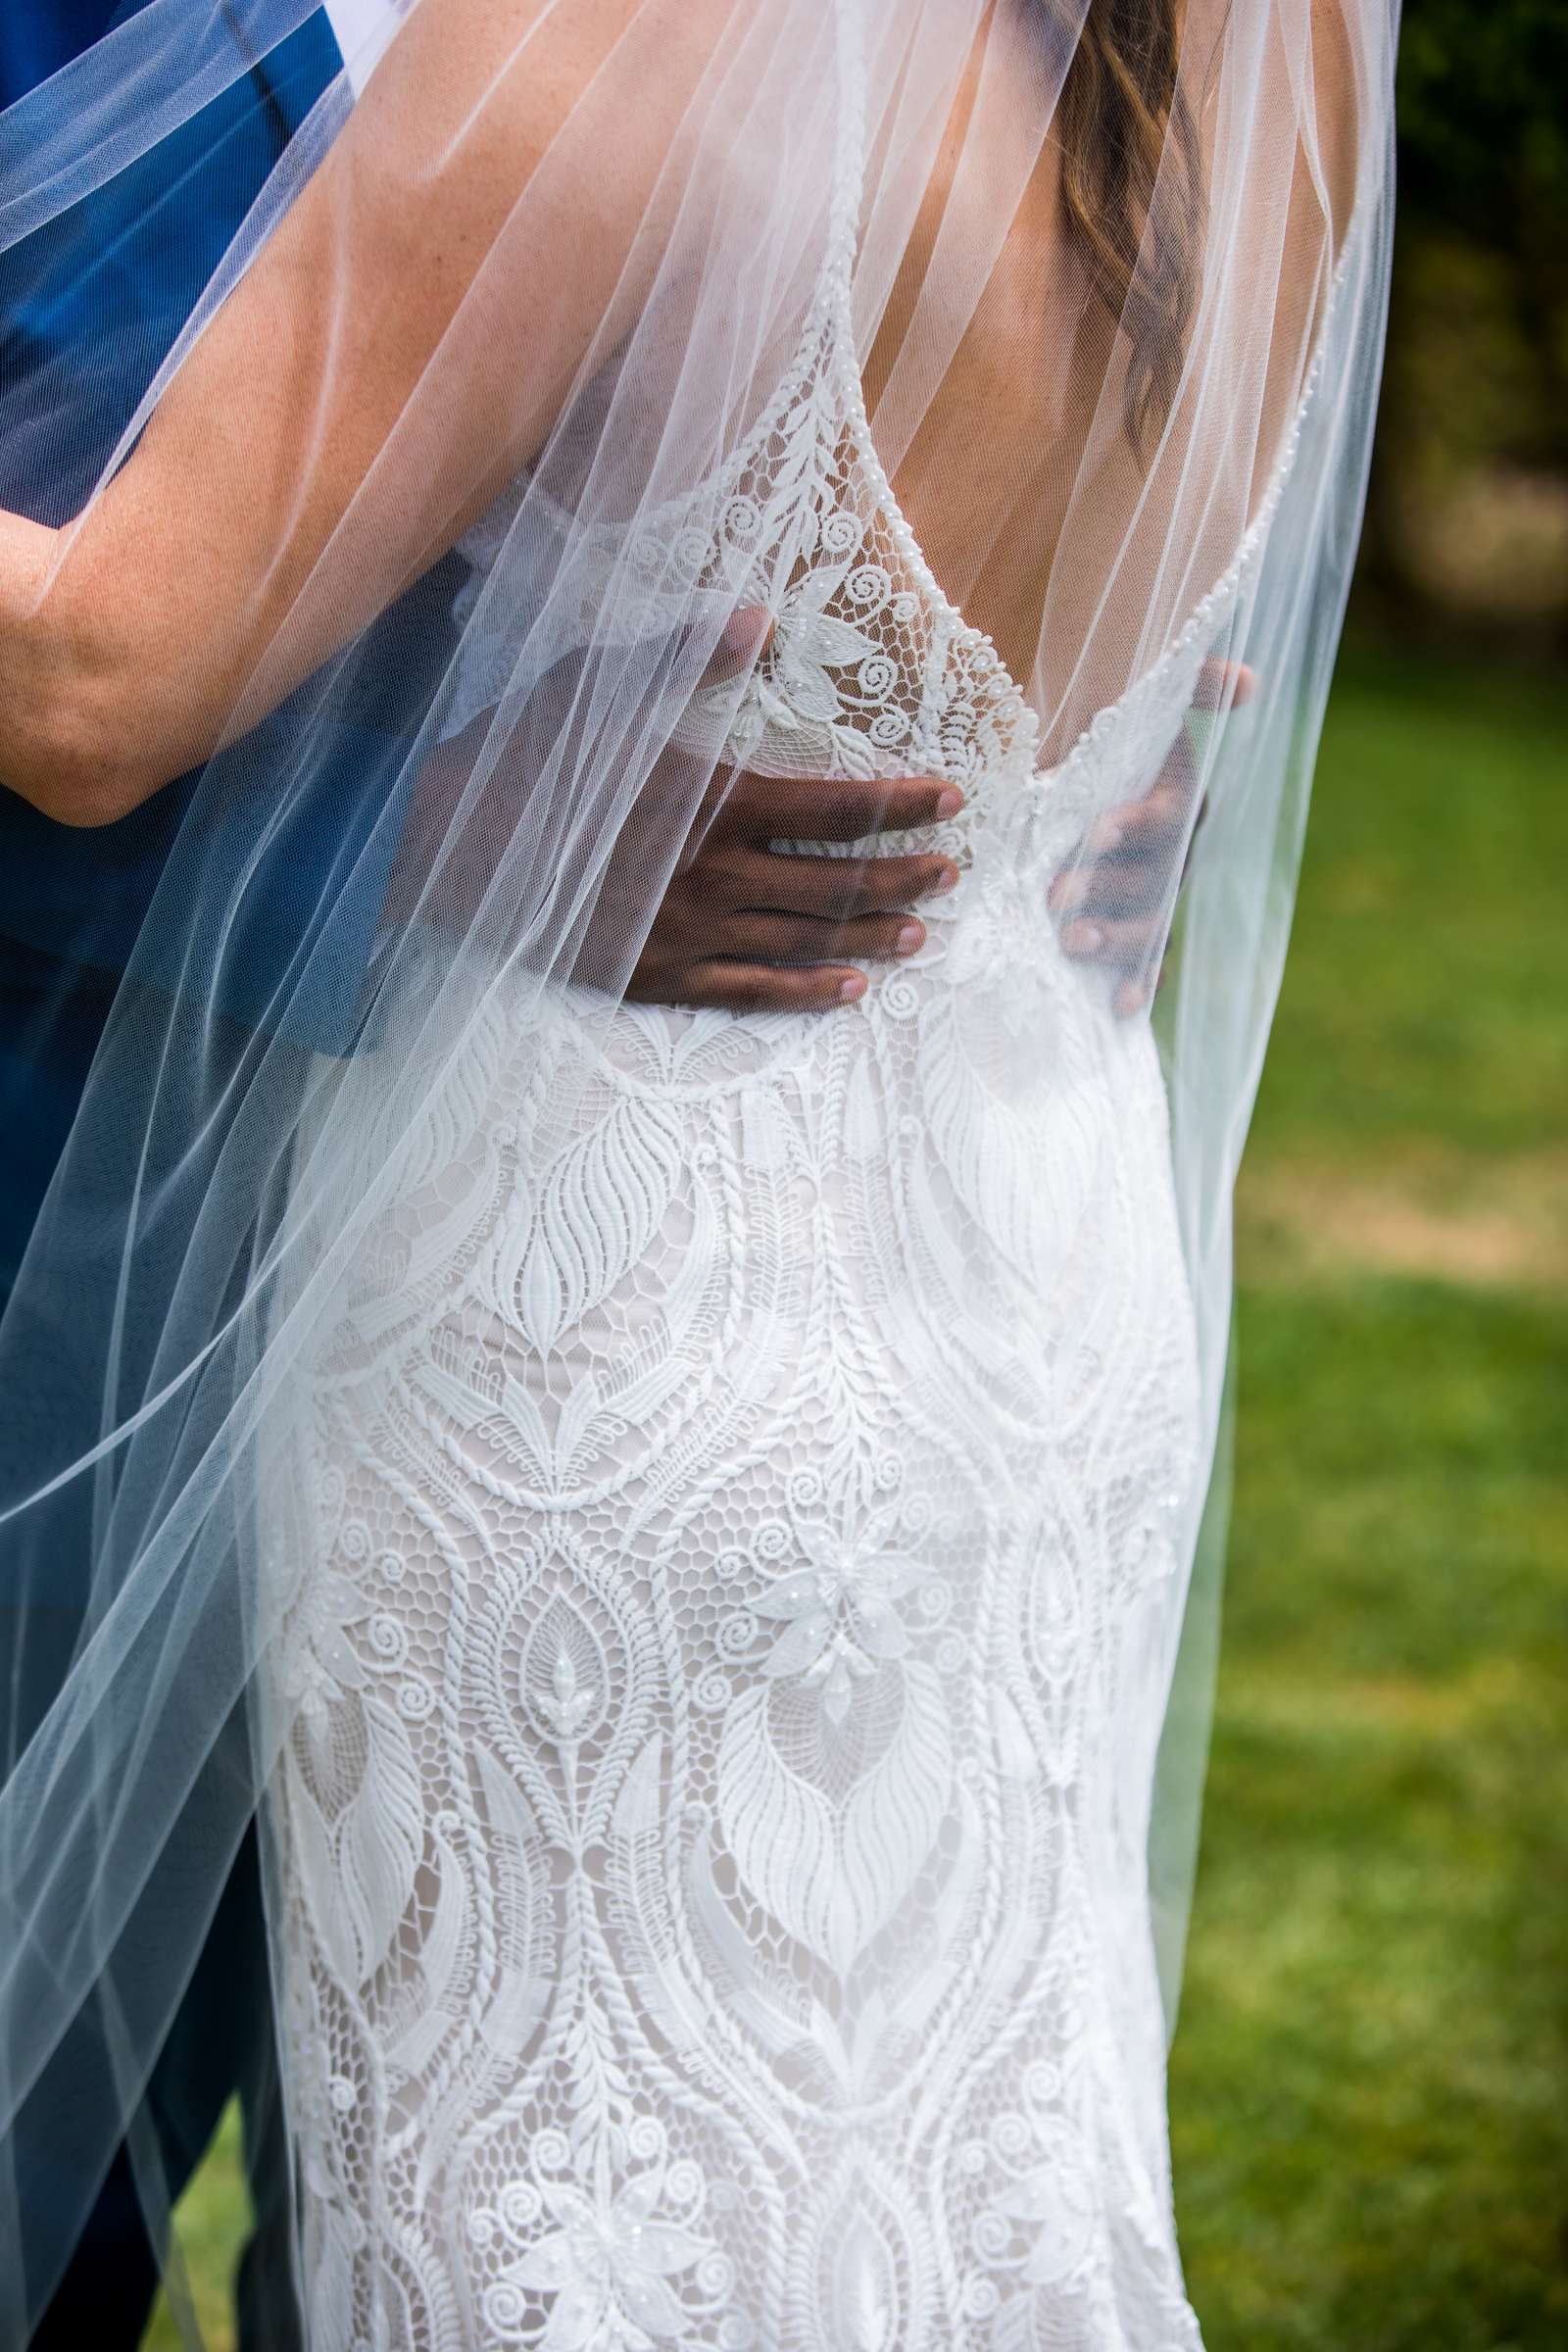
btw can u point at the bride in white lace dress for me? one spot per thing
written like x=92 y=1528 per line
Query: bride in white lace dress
x=744 y=1492
x=714 y=1834
x=743 y=1503
x=729 y=1485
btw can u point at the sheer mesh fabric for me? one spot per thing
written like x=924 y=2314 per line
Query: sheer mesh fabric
x=685 y=1526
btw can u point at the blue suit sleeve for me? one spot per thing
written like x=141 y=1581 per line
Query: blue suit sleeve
x=90 y=307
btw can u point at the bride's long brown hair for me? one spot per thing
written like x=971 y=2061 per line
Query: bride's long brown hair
x=1132 y=183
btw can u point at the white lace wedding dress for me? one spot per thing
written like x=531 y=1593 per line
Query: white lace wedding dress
x=729 y=1646
x=713 y=1835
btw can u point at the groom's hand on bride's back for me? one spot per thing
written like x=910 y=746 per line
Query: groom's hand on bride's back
x=742 y=927
x=747 y=929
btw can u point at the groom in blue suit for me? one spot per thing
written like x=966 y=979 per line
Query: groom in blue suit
x=86 y=310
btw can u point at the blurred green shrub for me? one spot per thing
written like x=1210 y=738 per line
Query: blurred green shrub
x=1467 y=528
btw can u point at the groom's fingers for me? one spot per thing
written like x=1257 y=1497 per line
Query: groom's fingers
x=1224 y=685
x=1127 y=941
x=1114 y=899
x=1145 y=826
x=728 y=984
x=764 y=808
x=765 y=934
x=746 y=928
x=832 y=889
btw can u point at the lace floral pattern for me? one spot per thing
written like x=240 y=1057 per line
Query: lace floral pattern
x=712 y=1838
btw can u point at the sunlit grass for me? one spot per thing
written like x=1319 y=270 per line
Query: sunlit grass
x=1369 y=2087
x=1370 y=2082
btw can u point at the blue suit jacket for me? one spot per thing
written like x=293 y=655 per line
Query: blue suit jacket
x=89 y=308
x=37 y=38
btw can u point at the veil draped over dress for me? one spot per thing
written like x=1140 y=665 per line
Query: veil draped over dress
x=812 y=306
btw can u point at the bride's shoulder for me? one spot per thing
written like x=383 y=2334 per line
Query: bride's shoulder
x=532 y=65
x=511 y=120
x=1309 y=72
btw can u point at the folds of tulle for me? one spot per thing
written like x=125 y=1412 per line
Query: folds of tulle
x=465 y=748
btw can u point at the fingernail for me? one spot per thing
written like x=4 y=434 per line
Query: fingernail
x=743 y=629
x=851 y=988
x=909 y=937
x=1085 y=939
x=948 y=879
x=948 y=801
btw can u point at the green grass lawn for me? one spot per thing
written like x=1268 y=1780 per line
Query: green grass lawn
x=1369 y=2086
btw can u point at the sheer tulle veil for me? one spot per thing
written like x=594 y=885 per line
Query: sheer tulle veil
x=446 y=750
